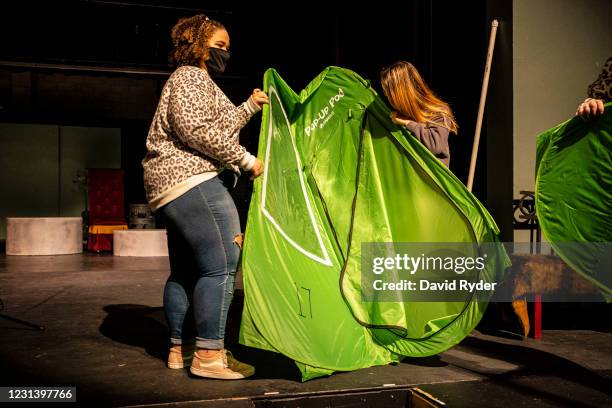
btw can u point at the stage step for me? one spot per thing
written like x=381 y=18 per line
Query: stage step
x=140 y=242
x=44 y=235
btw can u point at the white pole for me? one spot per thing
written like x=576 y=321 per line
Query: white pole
x=483 y=98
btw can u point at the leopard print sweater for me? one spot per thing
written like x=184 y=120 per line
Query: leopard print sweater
x=195 y=130
x=602 y=87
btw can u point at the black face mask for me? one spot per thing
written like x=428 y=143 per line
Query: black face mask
x=217 y=60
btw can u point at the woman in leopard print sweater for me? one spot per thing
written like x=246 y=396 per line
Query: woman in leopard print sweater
x=193 y=158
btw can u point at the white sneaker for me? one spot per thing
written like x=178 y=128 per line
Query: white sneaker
x=246 y=369
x=180 y=356
x=220 y=366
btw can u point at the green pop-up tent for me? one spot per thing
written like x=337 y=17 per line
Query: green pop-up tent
x=574 y=195
x=338 y=174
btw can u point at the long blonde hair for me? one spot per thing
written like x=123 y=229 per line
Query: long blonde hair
x=408 y=93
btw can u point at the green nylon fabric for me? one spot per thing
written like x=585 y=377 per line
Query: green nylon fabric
x=574 y=194
x=339 y=173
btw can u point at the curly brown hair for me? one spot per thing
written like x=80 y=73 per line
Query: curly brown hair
x=189 y=37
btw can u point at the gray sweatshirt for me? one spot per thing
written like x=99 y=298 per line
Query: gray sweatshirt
x=435 y=138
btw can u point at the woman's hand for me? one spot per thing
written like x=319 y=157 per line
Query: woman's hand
x=398 y=120
x=590 y=108
x=257 y=169
x=259 y=97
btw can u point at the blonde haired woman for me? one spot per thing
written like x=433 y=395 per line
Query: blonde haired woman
x=417 y=108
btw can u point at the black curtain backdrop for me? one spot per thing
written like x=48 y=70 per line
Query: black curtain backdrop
x=445 y=40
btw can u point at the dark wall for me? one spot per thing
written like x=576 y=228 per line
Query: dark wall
x=445 y=40
x=499 y=122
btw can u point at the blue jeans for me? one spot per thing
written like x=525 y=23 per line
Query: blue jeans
x=202 y=227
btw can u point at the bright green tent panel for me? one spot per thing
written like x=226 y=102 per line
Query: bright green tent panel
x=574 y=195
x=338 y=174
x=407 y=195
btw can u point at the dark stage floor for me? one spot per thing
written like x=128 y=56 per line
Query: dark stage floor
x=105 y=334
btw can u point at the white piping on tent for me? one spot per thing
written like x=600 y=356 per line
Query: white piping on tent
x=326 y=259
